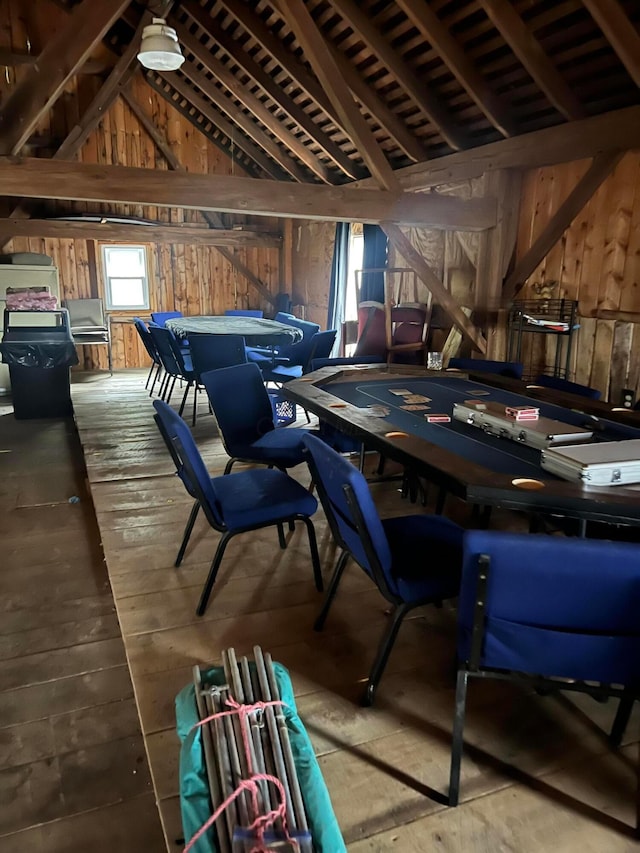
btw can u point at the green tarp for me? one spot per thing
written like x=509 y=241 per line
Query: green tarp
x=195 y=801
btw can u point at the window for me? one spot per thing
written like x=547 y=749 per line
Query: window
x=125 y=277
x=356 y=249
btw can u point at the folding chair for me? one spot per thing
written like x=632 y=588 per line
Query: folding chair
x=244 y=414
x=551 y=612
x=89 y=324
x=244 y=312
x=238 y=503
x=149 y=345
x=413 y=560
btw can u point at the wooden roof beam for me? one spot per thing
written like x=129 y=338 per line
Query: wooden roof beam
x=239 y=55
x=249 y=127
x=619 y=32
x=159 y=232
x=59 y=61
x=597 y=173
x=37 y=178
x=576 y=140
x=241 y=93
x=530 y=53
x=417 y=89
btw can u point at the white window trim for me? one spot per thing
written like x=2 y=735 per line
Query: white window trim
x=107 y=279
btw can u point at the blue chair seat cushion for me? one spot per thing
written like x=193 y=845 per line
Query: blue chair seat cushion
x=260 y=497
x=283 y=446
x=426 y=556
x=282 y=373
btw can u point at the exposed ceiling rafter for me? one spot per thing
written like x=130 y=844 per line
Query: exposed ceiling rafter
x=619 y=31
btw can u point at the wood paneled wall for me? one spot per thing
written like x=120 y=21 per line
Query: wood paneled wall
x=597 y=262
x=192 y=279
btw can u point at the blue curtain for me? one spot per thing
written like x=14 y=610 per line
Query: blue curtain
x=374 y=257
x=338 y=284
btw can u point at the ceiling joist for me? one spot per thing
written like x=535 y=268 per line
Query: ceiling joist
x=530 y=53
x=620 y=32
x=463 y=68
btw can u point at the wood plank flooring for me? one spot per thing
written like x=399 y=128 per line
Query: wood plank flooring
x=73 y=769
x=537 y=774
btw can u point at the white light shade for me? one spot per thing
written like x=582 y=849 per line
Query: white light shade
x=159 y=48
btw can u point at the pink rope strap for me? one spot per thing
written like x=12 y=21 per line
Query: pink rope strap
x=262 y=822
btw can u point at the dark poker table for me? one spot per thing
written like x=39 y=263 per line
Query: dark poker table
x=475 y=466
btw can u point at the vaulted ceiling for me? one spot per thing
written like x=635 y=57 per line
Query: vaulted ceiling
x=430 y=77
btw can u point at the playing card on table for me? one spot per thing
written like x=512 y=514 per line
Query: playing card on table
x=375 y=411
x=399 y=392
x=415 y=408
x=417 y=398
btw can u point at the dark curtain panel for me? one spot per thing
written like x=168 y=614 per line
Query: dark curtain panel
x=374 y=257
x=338 y=285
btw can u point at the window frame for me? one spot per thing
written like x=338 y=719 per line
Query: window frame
x=107 y=279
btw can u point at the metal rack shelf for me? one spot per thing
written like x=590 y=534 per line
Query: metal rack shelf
x=557 y=317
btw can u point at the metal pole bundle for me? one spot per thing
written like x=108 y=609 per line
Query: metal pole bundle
x=241 y=745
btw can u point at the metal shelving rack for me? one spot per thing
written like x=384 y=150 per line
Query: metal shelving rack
x=557 y=317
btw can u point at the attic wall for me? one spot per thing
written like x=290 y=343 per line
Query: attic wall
x=311 y=258
x=597 y=262
x=192 y=279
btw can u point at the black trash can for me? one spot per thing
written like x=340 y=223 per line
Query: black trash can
x=39 y=349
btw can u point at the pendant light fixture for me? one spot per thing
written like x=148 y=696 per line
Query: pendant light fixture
x=159 y=48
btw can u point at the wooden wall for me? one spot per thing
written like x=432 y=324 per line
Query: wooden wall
x=192 y=279
x=597 y=262
x=310 y=244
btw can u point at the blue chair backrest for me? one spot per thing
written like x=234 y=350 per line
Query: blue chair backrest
x=284 y=317
x=161 y=317
x=559 y=384
x=146 y=338
x=513 y=369
x=362 y=536
x=163 y=339
x=240 y=403
x=298 y=353
x=554 y=607
x=321 y=346
x=186 y=456
x=244 y=312
x=211 y=352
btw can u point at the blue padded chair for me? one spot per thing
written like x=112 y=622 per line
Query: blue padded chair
x=512 y=369
x=565 y=385
x=211 y=352
x=555 y=612
x=318 y=345
x=413 y=560
x=175 y=364
x=152 y=352
x=248 y=500
x=160 y=317
x=244 y=312
x=243 y=411
x=289 y=354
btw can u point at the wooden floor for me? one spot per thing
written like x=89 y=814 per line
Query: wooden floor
x=73 y=769
x=537 y=775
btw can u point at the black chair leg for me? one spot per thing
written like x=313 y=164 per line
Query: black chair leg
x=151 y=369
x=440 y=500
x=155 y=379
x=622 y=717
x=292 y=526
x=187 y=532
x=382 y=656
x=315 y=557
x=184 y=399
x=281 y=537
x=173 y=385
x=457 y=744
x=213 y=571
x=195 y=403
x=164 y=385
x=230 y=464
x=318 y=625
